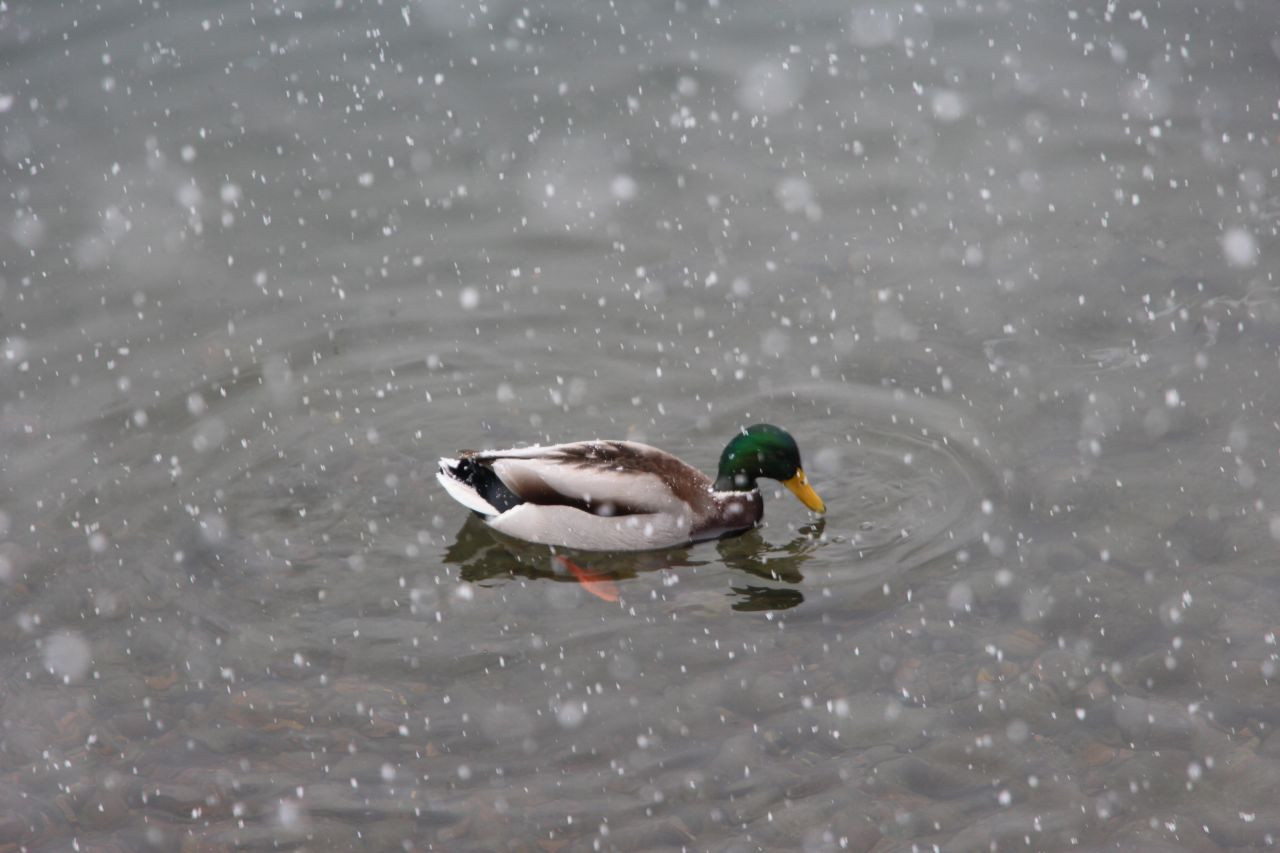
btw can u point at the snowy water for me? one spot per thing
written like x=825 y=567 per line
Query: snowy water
x=1006 y=269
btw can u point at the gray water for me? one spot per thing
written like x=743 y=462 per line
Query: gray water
x=1005 y=269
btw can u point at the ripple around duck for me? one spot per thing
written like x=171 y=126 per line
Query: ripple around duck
x=907 y=479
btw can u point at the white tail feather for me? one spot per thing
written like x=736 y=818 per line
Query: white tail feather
x=461 y=492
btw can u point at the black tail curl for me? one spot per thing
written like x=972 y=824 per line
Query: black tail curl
x=486 y=484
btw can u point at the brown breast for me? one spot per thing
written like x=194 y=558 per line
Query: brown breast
x=728 y=514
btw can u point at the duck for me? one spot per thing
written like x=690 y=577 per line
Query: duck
x=605 y=495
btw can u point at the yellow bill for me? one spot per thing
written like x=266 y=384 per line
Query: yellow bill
x=799 y=486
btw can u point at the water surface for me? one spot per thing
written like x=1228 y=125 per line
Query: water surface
x=1004 y=269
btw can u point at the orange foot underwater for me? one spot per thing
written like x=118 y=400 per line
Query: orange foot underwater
x=598 y=584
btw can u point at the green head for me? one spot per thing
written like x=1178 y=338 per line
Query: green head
x=764 y=450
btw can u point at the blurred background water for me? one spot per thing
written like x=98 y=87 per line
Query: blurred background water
x=1006 y=269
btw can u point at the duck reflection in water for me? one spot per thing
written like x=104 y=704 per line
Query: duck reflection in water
x=483 y=555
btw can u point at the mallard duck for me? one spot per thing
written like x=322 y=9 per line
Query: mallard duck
x=623 y=495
